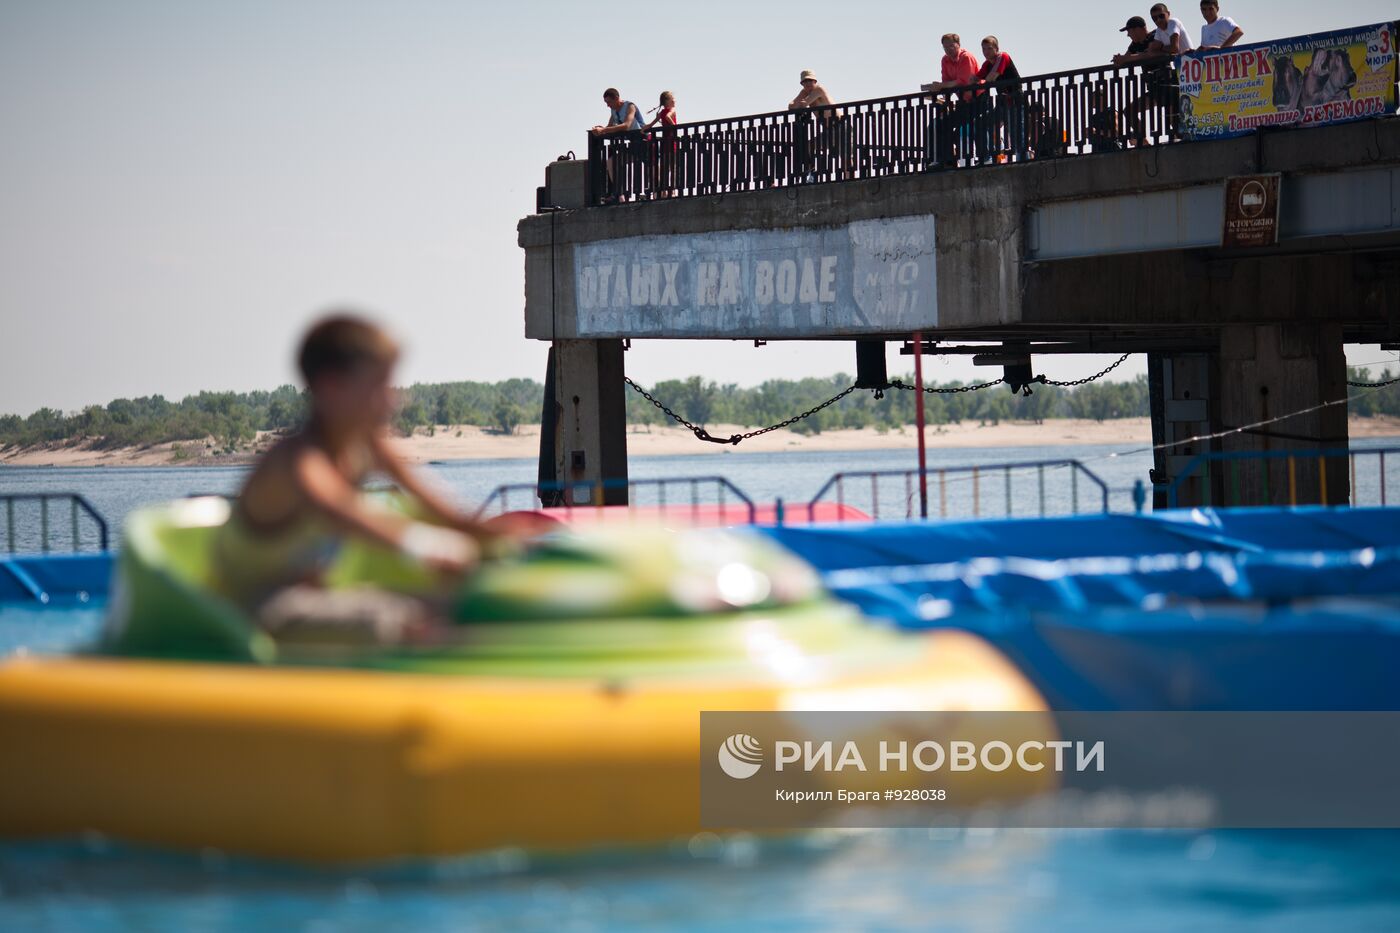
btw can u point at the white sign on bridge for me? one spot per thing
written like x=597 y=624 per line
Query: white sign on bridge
x=873 y=276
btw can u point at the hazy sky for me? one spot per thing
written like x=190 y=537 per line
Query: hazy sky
x=184 y=184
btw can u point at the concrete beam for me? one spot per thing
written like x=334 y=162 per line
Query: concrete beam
x=1205 y=289
x=984 y=281
x=973 y=228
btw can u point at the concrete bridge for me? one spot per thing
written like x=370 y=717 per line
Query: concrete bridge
x=1108 y=253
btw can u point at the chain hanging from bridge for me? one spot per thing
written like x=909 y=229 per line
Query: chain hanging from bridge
x=734 y=439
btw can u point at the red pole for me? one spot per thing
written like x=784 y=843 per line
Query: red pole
x=919 y=419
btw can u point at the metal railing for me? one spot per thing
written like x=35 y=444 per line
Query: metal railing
x=1289 y=476
x=688 y=494
x=986 y=490
x=1099 y=109
x=78 y=507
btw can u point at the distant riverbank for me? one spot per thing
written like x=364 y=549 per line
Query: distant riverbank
x=468 y=442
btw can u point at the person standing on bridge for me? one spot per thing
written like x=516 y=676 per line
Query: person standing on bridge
x=1219 y=32
x=1156 y=76
x=624 y=117
x=1045 y=134
x=1139 y=43
x=812 y=93
x=1000 y=72
x=1103 y=132
x=625 y=121
x=959 y=69
x=1171 y=35
x=814 y=131
x=1170 y=38
x=663 y=159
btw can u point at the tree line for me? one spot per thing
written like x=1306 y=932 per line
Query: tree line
x=234 y=418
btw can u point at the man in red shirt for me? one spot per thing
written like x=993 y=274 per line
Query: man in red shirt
x=955 y=117
x=959 y=66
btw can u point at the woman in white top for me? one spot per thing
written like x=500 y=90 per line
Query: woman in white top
x=1219 y=32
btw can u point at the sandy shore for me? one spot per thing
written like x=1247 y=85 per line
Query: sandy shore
x=473 y=443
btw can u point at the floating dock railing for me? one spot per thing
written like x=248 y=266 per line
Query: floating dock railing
x=1032 y=488
x=977 y=491
x=982 y=490
x=78 y=507
x=44 y=560
x=1286 y=477
x=709 y=495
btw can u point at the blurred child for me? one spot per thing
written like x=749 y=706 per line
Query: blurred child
x=303 y=500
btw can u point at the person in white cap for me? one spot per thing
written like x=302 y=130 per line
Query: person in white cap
x=812 y=95
x=818 y=140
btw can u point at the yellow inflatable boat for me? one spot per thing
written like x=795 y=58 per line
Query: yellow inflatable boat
x=525 y=733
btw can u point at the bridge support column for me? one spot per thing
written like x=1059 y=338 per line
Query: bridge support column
x=1258 y=373
x=590 y=424
x=1269 y=370
x=1184 y=408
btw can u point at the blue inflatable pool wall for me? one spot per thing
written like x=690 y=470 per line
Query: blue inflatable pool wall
x=1258 y=609
x=1250 y=609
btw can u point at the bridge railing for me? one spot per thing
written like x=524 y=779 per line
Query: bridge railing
x=1034 y=488
x=1068 y=113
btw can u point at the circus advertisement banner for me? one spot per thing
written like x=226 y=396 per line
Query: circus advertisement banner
x=1315 y=80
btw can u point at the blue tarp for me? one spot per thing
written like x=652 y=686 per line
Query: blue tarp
x=1255 y=609
x=1171 y=532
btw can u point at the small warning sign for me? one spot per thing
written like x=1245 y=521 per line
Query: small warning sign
x=1251 y=211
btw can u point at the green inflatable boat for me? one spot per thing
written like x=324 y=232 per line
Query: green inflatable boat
x=610 y=600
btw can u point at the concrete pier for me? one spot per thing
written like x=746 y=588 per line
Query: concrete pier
x=1108 y=253
x=1268 y=370
x=590 y=422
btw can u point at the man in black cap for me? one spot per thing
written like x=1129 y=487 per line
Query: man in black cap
x=1156 y=80
x=1140 y=41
